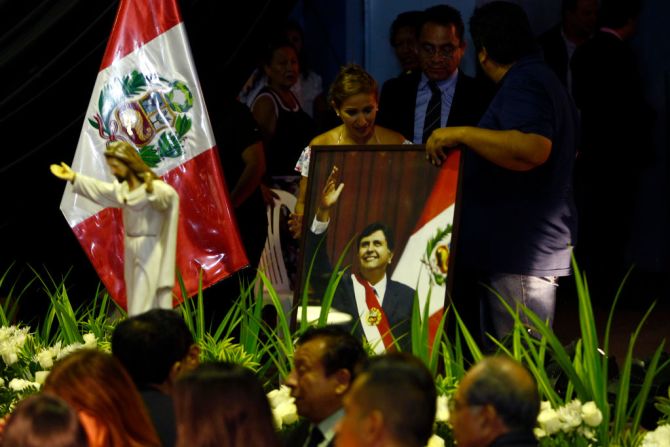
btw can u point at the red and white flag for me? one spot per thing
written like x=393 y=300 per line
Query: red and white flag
x=147 y=93
x=424 y=262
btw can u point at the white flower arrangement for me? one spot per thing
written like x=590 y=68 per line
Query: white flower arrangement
x=12 y=340
x=283 y=406
x=566 y=424
x=657 y=438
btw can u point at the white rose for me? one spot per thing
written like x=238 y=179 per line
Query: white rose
x=22 y=384
x=278 y=396
x=45 y=359
x=657 y=438
x=442 y=409
x=90 y=341
x=570 y=416
x=591 y=415
x=435 y=441
x=288 y=412
x=9 y=357
x=41 y=376
x=549 y=421
x=539 y=433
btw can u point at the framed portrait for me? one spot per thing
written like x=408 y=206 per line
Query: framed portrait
x=396 y=212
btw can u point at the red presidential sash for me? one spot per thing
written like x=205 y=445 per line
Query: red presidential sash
x=376 y=315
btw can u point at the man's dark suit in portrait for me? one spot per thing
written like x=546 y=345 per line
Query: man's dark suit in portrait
x=406 y=102
x=379 y=306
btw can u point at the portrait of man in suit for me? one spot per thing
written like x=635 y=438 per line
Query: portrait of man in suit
x=380 y=307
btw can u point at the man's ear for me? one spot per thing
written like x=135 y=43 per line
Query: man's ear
x=482 y=55
x=343 y=378
x=490 y=424
x=373 y=427
x=190 y=361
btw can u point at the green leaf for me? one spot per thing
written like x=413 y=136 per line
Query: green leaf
x=150 y=156
x=169 y=145
x=93 y=124
x=182 y=126
x=134 y=83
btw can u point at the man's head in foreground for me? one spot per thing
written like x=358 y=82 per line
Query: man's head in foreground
x=324 y=366
x=391 y=403
x=496 y=396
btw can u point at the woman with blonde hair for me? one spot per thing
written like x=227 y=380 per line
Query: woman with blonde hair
x=354 y=98
x=109 y=406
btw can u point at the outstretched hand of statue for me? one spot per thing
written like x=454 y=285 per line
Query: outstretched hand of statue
x=329 y=195
x=63 y=171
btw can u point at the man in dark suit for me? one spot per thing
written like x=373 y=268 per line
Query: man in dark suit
x=615 y=145
x=381 y=308
x=439 y=94
x=578 y=22
x=325 y=363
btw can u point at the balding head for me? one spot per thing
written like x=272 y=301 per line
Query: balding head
x=496 y=396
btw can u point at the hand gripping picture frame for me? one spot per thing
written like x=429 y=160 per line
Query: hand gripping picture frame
x=392 y=226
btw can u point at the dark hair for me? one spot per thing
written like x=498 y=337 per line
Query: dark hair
x=149 y=344
x=343 y=350
x=222 y=404
x=274 y=44
x=407 y=19
x=444 y=15
x=377 y=226
x=516 y=402
x=293 y=25
x=615 y=13
x=42 y=419
x=96 y=383
x=503 y=29
x=402 y=388
x=351 y=80
x=568 y=5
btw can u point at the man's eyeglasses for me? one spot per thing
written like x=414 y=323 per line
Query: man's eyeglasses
x=430 y=50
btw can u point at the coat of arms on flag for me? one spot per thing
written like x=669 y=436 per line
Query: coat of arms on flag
x=147 y=94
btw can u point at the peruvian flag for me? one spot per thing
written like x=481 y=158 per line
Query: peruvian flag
x=147 y=93
x=424 y=263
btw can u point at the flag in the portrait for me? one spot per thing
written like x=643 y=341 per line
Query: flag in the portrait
x=424 y=263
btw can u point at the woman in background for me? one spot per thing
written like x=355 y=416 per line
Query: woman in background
x=224 y=405
x=354 y=98
x=109 y=406
x=285 y=127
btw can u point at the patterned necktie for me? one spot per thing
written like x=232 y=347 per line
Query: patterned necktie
x=315 y=437
x=433 y=111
